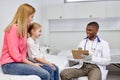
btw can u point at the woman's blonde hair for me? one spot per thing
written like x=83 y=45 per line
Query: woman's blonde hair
x=21 y=19
x=34 y=26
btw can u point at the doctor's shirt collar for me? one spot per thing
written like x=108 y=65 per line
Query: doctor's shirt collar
x=98 y=39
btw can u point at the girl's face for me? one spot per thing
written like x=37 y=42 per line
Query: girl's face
x=37 y=32
x=30 y=18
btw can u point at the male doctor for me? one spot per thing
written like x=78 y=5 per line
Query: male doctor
x=94 y=65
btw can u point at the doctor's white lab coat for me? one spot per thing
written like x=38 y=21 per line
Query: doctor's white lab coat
x=101 y=54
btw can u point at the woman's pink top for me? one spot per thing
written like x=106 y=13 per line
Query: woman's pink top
x=14 y=47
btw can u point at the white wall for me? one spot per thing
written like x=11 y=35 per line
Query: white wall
x=57 y=40
x=8 y=9
x=69 y=40
x=52 y=2
x=45 y=23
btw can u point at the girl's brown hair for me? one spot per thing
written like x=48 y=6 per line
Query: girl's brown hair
x=21 y=19
x=34 y=26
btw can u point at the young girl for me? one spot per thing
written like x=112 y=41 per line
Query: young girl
x=35 y=54
x=14 y=51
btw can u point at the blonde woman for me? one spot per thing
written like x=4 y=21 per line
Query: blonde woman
x=14 y=51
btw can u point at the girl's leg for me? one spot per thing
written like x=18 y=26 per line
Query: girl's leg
x=49 y=69
x=56 y=73
x=25 y=69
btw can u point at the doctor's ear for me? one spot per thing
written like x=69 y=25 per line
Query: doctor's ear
x=97 y=30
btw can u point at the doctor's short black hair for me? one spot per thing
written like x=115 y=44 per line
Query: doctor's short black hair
x=95 y=24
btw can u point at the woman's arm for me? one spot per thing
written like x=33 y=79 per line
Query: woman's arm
x=26 y=61
x=43 y=60
x=13 y=45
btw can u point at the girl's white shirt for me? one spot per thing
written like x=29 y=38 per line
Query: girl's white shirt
x=33 y=49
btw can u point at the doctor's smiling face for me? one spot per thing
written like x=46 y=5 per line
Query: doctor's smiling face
x=91 y=30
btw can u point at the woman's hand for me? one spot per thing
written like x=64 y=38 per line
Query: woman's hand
x=31 y=63
x=37 y=64
x=43 y=60
x=52 y=65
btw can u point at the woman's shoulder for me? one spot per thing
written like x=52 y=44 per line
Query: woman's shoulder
x=14 y=27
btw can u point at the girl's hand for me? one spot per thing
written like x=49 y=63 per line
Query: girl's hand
x=52 y=65
x=37 y=64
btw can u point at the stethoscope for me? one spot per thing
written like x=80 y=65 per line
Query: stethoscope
x=93 y=48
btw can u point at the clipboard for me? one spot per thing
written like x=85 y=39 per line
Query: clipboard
x=78 y=54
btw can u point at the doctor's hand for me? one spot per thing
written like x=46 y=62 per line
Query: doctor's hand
x=88 y=57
